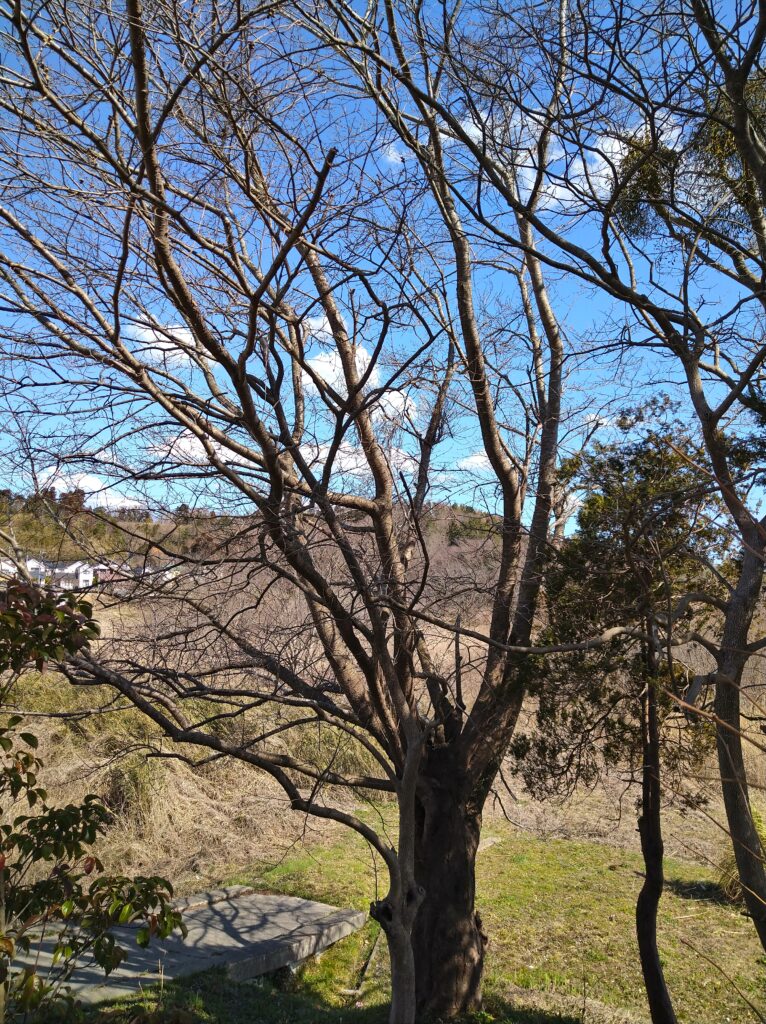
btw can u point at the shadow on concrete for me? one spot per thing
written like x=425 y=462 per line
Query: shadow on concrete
x=250 y=934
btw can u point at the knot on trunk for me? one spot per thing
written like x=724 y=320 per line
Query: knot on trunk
x=387 y=914
x=382 y=912
x=415 y=895
x=412 y=902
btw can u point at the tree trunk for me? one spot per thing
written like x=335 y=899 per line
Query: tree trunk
x=650 y=830
x=395 y=915
x=447 y=938
x=403 y=1004
x=731 y=761
x=747 y=845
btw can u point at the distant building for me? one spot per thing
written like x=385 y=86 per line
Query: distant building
x=7 y=569
x=82 y=575
x=76 y=575
x=37 y=569
x=71 y=575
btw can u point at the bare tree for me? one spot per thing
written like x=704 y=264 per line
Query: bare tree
x=622 y=145
x=221 y=275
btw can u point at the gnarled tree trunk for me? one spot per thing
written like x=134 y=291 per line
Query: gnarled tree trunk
x=448 y=940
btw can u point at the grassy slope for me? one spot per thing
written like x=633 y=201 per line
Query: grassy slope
x=560 y=919
x=93 y=535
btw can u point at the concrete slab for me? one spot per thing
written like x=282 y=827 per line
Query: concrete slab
x=248 y=933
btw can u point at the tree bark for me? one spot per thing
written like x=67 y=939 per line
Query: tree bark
x=395 y=914
x=650 y=830
x=403 y=1000
x=448 y=939
x=733 y=658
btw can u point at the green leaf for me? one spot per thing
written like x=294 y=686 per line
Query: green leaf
x=125 y=913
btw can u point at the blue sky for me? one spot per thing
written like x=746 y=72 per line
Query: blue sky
x=75 y=437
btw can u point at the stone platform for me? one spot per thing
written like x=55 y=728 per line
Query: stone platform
x=246 y=932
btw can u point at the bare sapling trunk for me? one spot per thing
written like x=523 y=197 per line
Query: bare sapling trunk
x=650 y=831
x=395 y=914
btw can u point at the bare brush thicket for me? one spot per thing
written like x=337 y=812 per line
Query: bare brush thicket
x=307 y=264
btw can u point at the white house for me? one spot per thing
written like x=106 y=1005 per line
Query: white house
x=38 y=570
x=71 y=575
x=76 y=575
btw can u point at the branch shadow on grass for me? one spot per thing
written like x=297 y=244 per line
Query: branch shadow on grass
x=706 y=892
x=212 y=998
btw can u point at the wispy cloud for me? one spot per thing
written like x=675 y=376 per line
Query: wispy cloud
x=394 y=154
x=477 y=462
x=350 y=460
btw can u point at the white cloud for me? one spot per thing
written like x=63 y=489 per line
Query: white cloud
x=392 y=405
x=183 y=450
x=396 y=406
x=328 y=366
x=600 y=172
x=318 y=328
x=477 y=462
x=475 y=126
x=594 y=421
x=171 y=347
x=394 y=154
x=349 y=459
x=570 y=506
x=98 y=493
x=186 y=449
x=595 y=173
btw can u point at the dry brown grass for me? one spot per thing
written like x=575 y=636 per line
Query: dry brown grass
x=197 y=825
x=193 y=825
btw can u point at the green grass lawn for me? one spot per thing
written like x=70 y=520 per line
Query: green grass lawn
x=560 y=919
